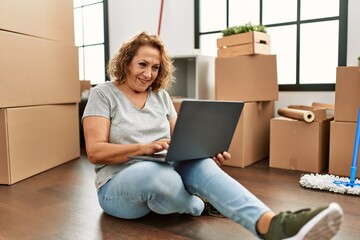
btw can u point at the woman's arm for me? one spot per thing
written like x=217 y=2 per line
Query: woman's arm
x=100 y=151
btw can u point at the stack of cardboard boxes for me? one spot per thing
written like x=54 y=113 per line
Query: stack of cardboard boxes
x=39 y=88
x=253 y=80
x=343 y=128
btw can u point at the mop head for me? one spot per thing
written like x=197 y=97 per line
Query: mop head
x=326 y=183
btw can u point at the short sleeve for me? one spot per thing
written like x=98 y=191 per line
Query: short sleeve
x=170 y=106
x=98 y=104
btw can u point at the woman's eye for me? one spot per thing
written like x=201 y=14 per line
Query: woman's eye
x=156 y=68
x=142 y=64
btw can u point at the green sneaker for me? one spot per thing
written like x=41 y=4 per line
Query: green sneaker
x=210 y=209
x=320 y=223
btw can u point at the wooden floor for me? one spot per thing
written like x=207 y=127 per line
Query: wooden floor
x=61 y=204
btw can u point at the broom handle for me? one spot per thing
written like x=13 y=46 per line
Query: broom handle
x=356 y=151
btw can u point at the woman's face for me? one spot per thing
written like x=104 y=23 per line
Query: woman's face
x=143 y=69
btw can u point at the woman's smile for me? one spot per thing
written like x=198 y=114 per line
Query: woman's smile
x=144 y=81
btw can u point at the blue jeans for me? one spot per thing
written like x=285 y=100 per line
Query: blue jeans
x=172 y=188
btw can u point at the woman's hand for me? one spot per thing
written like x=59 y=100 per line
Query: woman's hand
x=220 y=158
x=157 y=146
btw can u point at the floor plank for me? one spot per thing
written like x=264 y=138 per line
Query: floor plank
x=61 y=204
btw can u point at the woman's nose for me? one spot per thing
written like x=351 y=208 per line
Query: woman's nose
x=147 y=72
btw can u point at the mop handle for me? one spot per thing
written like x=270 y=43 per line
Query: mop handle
x=356 y=151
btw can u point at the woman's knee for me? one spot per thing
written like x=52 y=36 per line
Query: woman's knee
x=149 y=177
x=166 y=181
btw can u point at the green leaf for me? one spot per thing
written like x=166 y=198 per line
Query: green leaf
x=248 y=27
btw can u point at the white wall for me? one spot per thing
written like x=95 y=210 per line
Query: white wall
x=129 y=17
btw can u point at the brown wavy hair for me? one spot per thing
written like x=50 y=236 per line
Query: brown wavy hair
x=118 y=65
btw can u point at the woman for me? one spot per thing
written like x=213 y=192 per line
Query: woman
x=134 y=115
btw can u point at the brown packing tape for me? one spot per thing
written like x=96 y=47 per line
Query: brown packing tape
x=307 y=116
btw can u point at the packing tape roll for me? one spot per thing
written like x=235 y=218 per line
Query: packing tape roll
x=307 y=116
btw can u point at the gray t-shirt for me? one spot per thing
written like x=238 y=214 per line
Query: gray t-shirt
x=129 y=124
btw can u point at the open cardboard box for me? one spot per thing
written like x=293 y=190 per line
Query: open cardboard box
x=299 y=145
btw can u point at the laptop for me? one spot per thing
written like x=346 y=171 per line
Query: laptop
x=203 y=129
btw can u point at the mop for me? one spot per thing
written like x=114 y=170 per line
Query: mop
x=336 y=184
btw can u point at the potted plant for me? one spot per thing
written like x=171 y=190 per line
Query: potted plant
x=244 y=39
x=359 y=61
x=248 y=27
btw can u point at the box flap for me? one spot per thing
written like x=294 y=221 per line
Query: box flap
x=324 y=105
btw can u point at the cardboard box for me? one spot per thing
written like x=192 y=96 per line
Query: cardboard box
x=177 y=103
x=40 y=18
x=35 y=139
x=36 y=71
x=248 y=43
x=298 y=145
x=250 y=143
x=342 y=139
x=347 y=94
x=85 y=86
x=246 y=78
